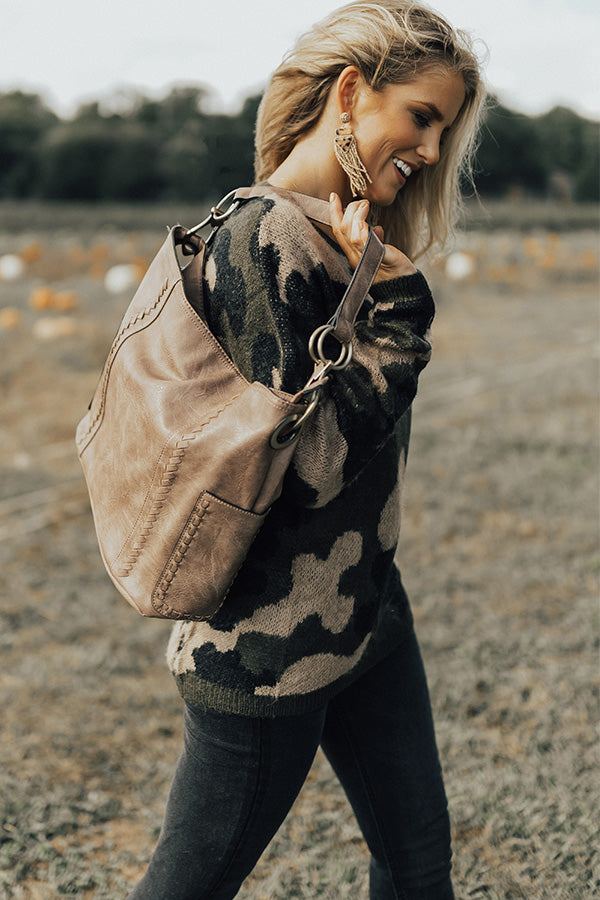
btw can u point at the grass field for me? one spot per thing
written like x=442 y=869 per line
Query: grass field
x=499 y=552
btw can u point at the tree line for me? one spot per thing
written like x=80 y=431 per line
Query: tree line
x=175 y=148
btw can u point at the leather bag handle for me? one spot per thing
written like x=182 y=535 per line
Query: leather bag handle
x=341 y=324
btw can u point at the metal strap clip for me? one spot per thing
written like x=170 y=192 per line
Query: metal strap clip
x=289 y=428
x=215 y=218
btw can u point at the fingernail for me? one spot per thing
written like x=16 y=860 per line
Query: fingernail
x=331 y=197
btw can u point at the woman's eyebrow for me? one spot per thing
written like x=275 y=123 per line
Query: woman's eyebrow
x=434 y=110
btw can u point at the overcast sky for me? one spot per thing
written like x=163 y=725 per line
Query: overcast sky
x=541 y=52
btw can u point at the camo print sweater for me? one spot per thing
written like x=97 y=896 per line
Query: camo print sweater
x=319 y=597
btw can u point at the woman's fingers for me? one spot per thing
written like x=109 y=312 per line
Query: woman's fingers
x=359 y=229
x=394 y=264
x=351 y=231
x=349 y=226
x=335 y=210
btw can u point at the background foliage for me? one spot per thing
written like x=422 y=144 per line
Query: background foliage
x=174 y=148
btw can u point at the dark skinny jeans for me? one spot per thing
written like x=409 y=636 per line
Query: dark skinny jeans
x=237 y=778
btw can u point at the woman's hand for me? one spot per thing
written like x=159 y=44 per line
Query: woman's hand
x=350 y=230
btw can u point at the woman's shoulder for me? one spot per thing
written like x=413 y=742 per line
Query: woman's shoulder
x=273 y=209
x=278 y=220
x=266 y=289
x=271 y=236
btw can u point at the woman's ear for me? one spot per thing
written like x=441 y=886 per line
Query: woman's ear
x=348 y=84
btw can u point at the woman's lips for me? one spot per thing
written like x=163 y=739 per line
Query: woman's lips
x=401 y=177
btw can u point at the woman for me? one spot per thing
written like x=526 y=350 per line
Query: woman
x=374 y=111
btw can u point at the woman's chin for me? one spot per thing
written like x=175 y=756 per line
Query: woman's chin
x=382 y=198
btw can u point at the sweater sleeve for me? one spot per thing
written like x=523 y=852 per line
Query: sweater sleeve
x=270 y=280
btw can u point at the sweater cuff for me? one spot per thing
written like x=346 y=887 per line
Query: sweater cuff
x=406 y=287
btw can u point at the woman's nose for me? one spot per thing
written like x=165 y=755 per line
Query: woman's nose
x=429 y=151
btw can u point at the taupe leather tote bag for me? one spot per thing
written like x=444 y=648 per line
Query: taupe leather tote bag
x=182 y=456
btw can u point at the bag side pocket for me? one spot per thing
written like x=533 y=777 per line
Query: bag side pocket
x=215 y=531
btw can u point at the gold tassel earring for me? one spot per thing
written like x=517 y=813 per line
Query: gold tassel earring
x=346 y=151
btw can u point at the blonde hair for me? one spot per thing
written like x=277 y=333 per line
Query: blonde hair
x=390 y=42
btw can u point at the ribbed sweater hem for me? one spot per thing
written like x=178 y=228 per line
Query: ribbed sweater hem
x=218 y=698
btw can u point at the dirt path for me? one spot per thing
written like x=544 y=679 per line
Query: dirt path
x=499 y=553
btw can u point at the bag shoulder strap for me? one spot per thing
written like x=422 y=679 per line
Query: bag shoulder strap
x=343 y=319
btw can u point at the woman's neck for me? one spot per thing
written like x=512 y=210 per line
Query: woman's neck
x=312 y=168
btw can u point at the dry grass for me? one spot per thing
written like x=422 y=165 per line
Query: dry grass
x=499 y=553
